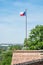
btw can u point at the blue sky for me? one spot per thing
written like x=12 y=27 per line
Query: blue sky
x=12 y=26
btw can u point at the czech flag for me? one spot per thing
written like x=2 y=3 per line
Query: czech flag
x=23 y=13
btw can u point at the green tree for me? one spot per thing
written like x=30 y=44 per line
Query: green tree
x=7 y=57
x=35 y=40
x=16 y=47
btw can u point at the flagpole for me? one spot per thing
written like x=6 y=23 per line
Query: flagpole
x=26 y=25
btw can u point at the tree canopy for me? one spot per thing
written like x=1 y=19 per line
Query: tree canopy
x=35 y=39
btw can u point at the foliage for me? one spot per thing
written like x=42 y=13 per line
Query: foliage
x=35 y=39
x=6 y=55
x=16 y=47
x=7 y=58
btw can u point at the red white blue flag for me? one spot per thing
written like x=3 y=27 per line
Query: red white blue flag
x=23 y=13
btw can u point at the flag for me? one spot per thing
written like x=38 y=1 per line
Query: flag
x=23 y=13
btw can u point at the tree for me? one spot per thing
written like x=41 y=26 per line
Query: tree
x=35 y=38
x=7 y=57
x=16 y=47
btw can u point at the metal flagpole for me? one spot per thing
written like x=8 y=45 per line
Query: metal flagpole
x=26 y=25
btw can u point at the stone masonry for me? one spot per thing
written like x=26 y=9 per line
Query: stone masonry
x=24 y=57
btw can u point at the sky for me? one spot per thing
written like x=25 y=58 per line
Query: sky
x=12 y=25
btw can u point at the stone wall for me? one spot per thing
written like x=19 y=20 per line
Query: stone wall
x=23 y=57
x=39 y=62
